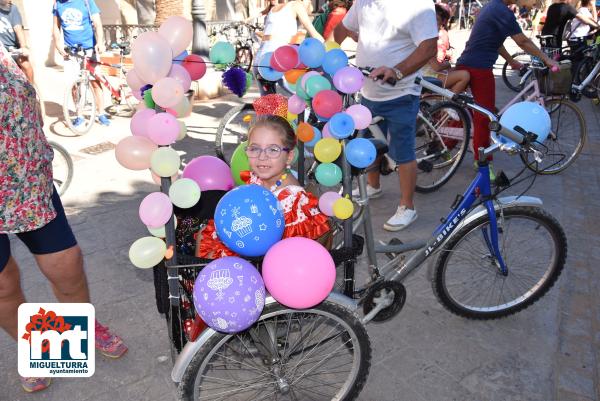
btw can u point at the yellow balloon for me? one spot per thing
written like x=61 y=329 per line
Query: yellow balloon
x=291 y=116
x=165 y=161
x=343 y=208
x=147 y=252
x=327 y=150
x=330 y=44
x=182 y=130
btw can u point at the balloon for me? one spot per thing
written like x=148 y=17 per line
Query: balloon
x=249 y=220
x=148 y=99
x=326 y=103
x=229 y=294
x=133 y=152
x=160 y=232
x=335 y=60
x=156 y=209
x=360 y=152
x=134 y=81
x=167 y=92
x=179 y=58
x=298 y=272
x=182 y=130
x=316 y=138
x=266 y=71
x=147 y=252
x=306 y=76
x=343 y=208
x=361 y=115
x=182 y=109
x=301 y=92
x=139 y=122
x=328 y=174
x=184 y=193
x=316 y=84
x=341 y=125
x=296 y=104
x=152 y=56
x=326 y=202
x=222 y=53
x=291 y=117
x=305 y=132
x=292 y=76
x=348 y=80
x=239 y=162
x=178 y=32
x=209 y=172
x=311 y=52
x=530 y=116
x=284 y=58
x=163 y=129
x=195 y=66
x=181 y=75
x=326 y=132
x=165 y=162
x=330 y=44
x=327 y=150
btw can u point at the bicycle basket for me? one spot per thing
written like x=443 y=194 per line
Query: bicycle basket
x=555 y=83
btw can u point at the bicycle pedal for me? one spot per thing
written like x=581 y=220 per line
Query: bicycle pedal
x=425 y=166
x=393 y=242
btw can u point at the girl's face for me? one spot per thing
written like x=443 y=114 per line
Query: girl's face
x=266 y=164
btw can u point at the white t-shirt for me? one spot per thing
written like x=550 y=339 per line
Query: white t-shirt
x=389 y=31
x=581 y=29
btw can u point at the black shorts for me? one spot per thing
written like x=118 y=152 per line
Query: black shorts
x=54 y=237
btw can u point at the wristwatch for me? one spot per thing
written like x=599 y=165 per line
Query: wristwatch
x=399 y=74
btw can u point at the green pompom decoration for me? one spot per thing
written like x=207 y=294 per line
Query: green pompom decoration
x=148 y=99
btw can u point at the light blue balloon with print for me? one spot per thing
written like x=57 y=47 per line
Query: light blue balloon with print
x=335 y=59
x=311 y=52
x=341 y=125
x=249 y=220
x=530 y=116
x=266 y=71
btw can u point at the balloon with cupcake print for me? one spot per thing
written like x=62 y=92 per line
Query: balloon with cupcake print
x=229 y=294
x=249 y=220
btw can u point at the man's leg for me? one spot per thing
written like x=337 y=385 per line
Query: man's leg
x=98 y=96
x=407 y=173
x=11 y=296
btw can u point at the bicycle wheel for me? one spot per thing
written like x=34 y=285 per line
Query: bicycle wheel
x=443 y=132
x=62 y=168
x=79 y=107
x=233 y=130
x=243 y=56
x=582 y=71
x=467 y=279
x=512 y=78
x=322 y=353
x=566 y=139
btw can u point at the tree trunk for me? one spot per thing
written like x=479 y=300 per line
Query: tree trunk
x=167 y=8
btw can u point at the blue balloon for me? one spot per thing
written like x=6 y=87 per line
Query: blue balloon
x=360 y=152
x=249 y=220
x=266 y=71
x=335 y=59
x=179 y=59
x=530 y=116
x=311 y=52
x=341 y=125
x=315 y=139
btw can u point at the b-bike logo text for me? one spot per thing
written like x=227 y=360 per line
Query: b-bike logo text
x=56 y=340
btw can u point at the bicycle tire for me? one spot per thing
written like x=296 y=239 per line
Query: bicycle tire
x=446 y=291
x=512 y=78
x=559 y=152
x=85 y=111
x=244 y=57
x=582 y=71
x=61 y=183
x=441 y=144
x=348 y=335
x=232 y=125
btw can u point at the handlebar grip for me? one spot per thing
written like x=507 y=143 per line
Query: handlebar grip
x=507 y=132
x=434 y=88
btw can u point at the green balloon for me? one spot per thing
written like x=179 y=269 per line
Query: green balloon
x=147 y=252
x=148 y=99
x=239 y=162
x=248 y=81
x=316 y=84
x=184 y=193
x=328 y=174
x=222 y=53
x=300 y=92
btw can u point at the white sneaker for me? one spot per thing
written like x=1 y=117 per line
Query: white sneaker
x=402 y=219
x=372 y=193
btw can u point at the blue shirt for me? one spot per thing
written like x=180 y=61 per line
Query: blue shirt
x=8 y=20
x=493 y=25
x=76 y=21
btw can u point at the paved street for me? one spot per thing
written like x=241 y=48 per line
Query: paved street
x=547 y=352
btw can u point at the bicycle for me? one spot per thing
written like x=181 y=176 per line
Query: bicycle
x=62 y=167
x=79 y=95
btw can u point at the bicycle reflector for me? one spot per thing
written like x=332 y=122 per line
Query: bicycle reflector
x=530 y=116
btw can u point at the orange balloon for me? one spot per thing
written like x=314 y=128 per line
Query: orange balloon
x=292 y=76
x=305 y=132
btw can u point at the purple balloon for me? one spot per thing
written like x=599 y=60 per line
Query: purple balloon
x=306 y=76
x=156 y=209
x=181 y=75
x=229 y=294
x=296 y=104
x=326 y=132
x=326 y=202
x=348 y=80
x=210 y=173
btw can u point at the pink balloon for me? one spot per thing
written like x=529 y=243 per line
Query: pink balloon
x=284 y=58
x=210 y=173
x=134 y=81
x=134 y=152
x=348 y=80
x=163 y=129
x=326 y=103
x=156 y=209
x=139 y=122
x=182 y=76
x=361 y=115
x=296 y=104
x=195 y=65
x=326 y=133
x=306 y=76
x=178 y=32
x=167 y=92
x=151 y=56
x=138 y=95
x=298 y=272
x=326 y=202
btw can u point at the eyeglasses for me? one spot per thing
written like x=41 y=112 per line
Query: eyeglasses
x=272 y=151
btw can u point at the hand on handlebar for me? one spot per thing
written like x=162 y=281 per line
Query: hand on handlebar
x=385 y=74
x=515 y=65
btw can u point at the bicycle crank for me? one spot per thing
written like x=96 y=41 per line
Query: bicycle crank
x=383 y=301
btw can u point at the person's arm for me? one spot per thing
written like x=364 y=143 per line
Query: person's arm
x=587 y=20
x=340 y=33
x=56 y=36
x=426 y=50
x=21 y=39
x=302 y=16
x=97 y=23
x=514 y=64
x=526 y=44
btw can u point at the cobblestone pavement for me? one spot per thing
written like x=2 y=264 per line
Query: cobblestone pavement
x=547 y=352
